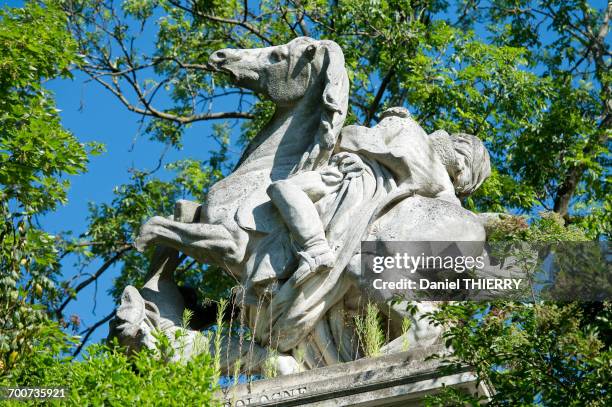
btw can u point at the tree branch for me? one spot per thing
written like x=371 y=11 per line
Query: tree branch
x=572 y=178
x=95 y=276
x=102 y=65
x=381 y=91
x=301 y=14
x=566 y=189
x=216 y=19
x=149 y=110
x=90 y=331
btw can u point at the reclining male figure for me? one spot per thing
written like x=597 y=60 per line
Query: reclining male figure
x=439 y=166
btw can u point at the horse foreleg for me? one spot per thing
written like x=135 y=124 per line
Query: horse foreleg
x=198 y=240
x=160 y=287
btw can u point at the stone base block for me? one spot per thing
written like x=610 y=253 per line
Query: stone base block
x=401 y=379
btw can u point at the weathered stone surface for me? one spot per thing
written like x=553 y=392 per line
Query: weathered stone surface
x=400 y=379
x=288 y=222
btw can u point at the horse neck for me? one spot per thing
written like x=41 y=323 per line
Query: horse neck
x=286 y=136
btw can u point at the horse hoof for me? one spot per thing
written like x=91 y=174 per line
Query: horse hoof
x=146 y=236
x=129 y=325
x=141 y=243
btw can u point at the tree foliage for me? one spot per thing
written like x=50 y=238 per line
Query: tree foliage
x=36 y=156
x=106 y=376
x=531 y=78
x=542 y=353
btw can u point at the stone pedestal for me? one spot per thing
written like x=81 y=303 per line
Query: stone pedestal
x=400 y=379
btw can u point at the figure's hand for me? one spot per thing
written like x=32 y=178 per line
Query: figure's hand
x=349 y=164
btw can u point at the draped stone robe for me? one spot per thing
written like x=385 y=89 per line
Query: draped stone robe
x=316 y=319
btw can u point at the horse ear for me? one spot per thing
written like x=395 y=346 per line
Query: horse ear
x=335 y=105
x=310 y=51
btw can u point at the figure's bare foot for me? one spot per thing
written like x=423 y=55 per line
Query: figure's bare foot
x=310 y=265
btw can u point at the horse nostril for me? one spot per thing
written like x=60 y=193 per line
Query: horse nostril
x=218 y=57
x=222 y=57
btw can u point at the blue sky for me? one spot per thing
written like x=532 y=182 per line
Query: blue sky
x=93 y=114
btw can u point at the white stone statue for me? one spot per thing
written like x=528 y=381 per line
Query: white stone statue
x=288 y=222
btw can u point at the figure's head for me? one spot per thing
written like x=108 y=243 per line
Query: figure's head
x=466 y=159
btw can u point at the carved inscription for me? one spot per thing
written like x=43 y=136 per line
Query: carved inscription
x=265 y=397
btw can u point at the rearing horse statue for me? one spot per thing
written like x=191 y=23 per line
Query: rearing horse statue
x=308 y=83
x=240 y=230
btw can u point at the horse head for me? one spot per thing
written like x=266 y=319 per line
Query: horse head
x=302 y=70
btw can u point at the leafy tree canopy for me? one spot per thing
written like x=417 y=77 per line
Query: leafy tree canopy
x=36 y=155
x=531 y=78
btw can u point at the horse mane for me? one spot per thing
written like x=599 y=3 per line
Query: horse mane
x=334 y=100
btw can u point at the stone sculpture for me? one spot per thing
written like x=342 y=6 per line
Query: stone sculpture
x=288 y=222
